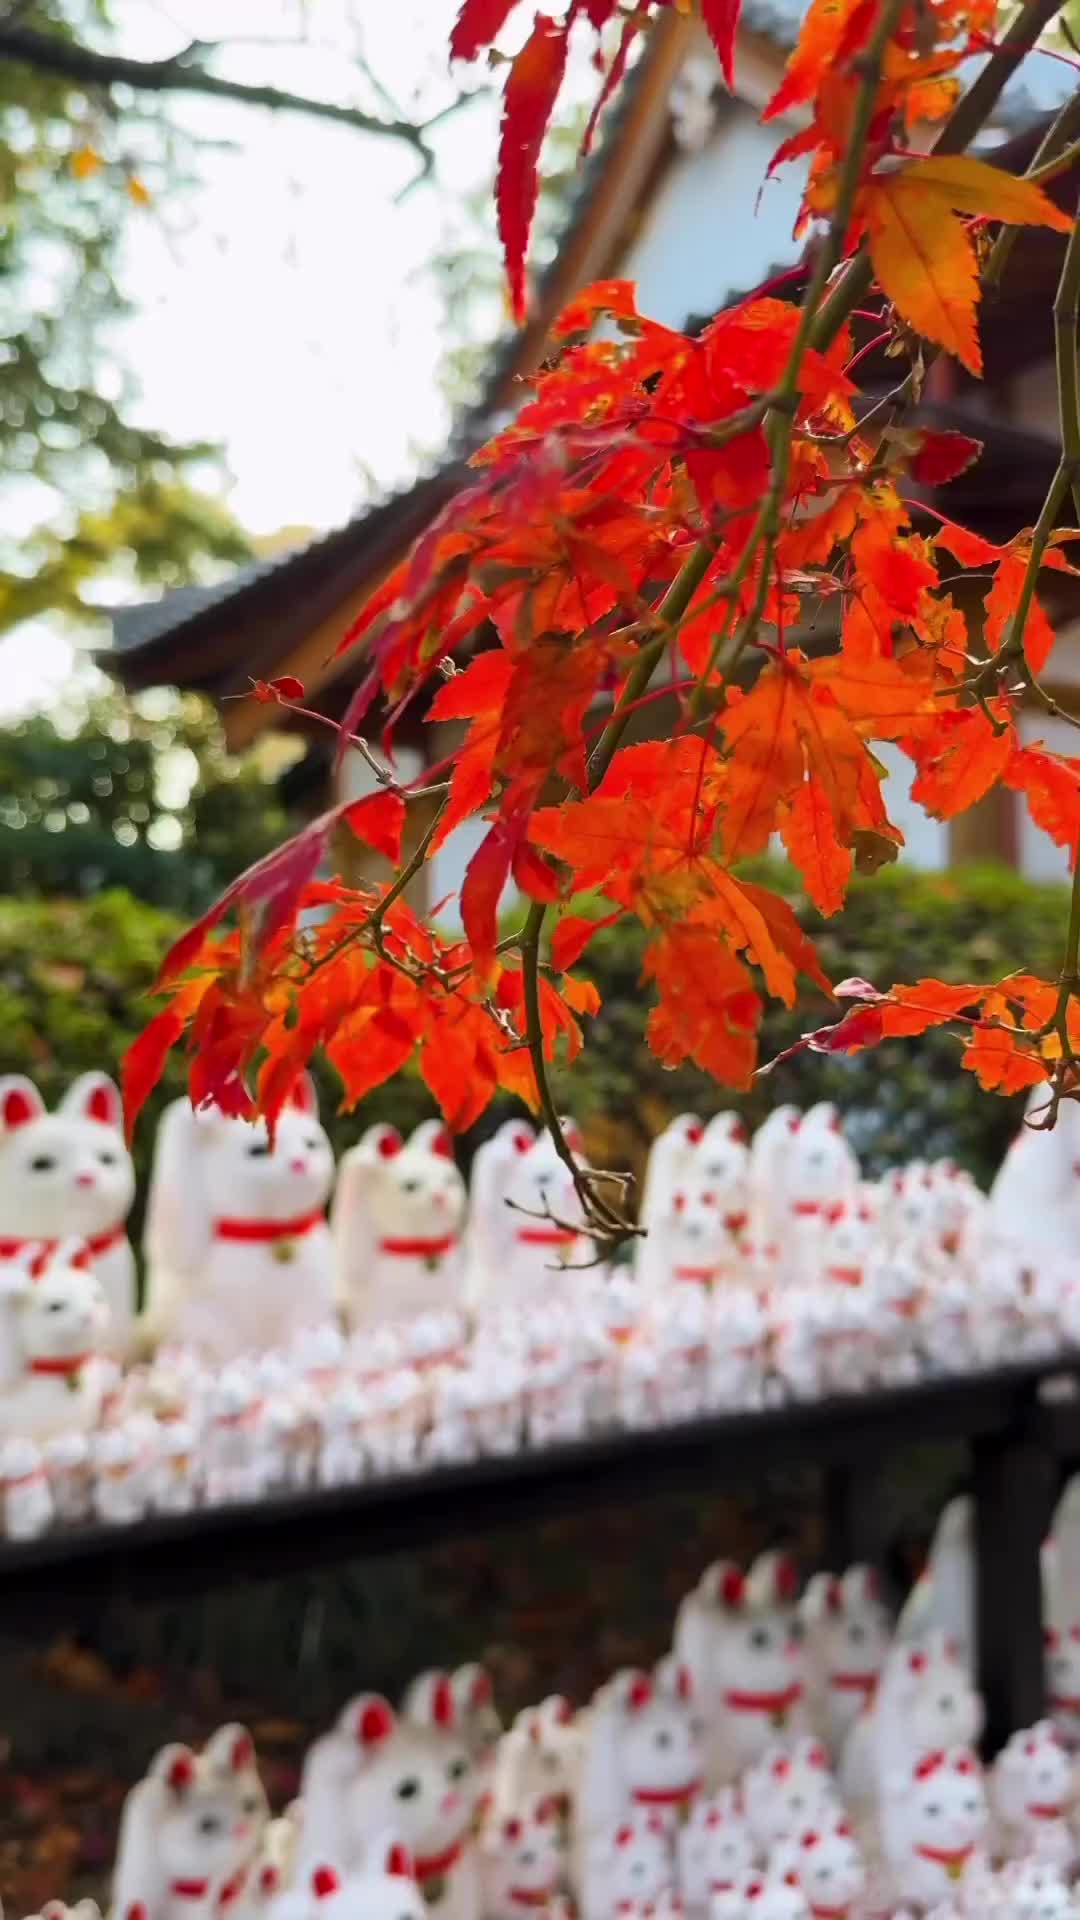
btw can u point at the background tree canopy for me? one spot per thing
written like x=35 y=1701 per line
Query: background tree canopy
x=133 y=793
x=92 y=139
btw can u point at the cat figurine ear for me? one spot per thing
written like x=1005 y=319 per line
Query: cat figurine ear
x=20 y=1102
x=93 y=1096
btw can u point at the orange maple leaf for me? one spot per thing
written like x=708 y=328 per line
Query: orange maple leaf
x=708 y=1011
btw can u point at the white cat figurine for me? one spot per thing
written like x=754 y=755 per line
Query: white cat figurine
x=848 y=1634
x=742 y=1641
x=411 y=1771
x=521 y=1863
x=524 y=1222
x=397 y=1219
x=238 y=1249
x=1033 y=1792
x=68 y=1175
x=642 y=1750
x=934 y=1820
x=190 y=1829
x=56 y=1323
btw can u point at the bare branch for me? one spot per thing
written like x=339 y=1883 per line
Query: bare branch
x=182 y=73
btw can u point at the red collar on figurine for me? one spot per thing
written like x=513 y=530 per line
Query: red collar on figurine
x=418 y=1247
x=704 y=1274
x=546 y=1236
x=828 y=1210
x=854 y=1682
x=666 y=1796
x=947 y=1857
x=266 y=1230
x=1042 y=1810
x=778 y=1702
x=190 y=1889
x=91 y=1249
x=432 y=1866
x=67 y=1363
x=847 y=1276
x=531 y=1896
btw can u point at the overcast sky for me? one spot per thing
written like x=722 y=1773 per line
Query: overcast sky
x=283 y=309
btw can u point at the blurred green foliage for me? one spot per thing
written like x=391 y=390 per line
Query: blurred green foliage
x=131 y=792
x=73 y=976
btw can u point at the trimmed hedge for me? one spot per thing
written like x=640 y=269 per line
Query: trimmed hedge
x=73 y=975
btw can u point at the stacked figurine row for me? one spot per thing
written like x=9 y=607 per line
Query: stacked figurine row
x=241 y=1255
x=795 y=1756
x=769 y=1271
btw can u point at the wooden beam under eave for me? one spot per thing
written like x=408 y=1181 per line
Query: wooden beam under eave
x=311 y=661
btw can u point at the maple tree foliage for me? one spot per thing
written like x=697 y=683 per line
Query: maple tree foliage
x=662 y=516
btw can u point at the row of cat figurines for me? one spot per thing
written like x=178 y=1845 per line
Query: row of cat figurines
x=718 y=1758
x=240 y=1255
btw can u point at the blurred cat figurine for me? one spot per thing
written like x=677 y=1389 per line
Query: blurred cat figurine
x=68 y=1175
x=411 y=1771
x=190 y=1829
x=524 y=1220
x=55 y=1323
x=397 y=1219
x=238 y=1250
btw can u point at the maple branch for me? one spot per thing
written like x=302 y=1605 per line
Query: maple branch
x=966 y=119
x=182 y=73
x=784 y=401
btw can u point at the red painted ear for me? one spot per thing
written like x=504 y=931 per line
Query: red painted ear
x=794 y=1123
x=755 y=1889
x=181 y=1773
x=787 y=1578
x=443 y=1145
x=844 y=1827
x=679 y=1202
x=655 y=1824
x=733 y=1587
x=781 y=1768
x=523 y=1141
x=547 y=1810
x=575 y=1140
x=242 y=1754
x=481 y=1693
x=929 y=1764
x=640 y=1692
x=375 y=1722
x=563 y=1712
x=791 y=1879
x=624 y=1836
x=965 y=1764
x=695 y=1132
x=512 y=1830
x=1051 y=1637
x=1074 y=1633
x=714 y=1818
x=136 y=1911
x=269 y=1880
x=836 y=1124
x=103 y=1103
x=834 y=1596
x=739 y=1133
x=323 y=1881
x=390 y=1144
x=818 y=1757
x=442 y=1702
x=684 y=1683
x=399 y=1862
x=21 y=1104
x=811 y=1839
x=303 y=1094
x=916 y=1663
